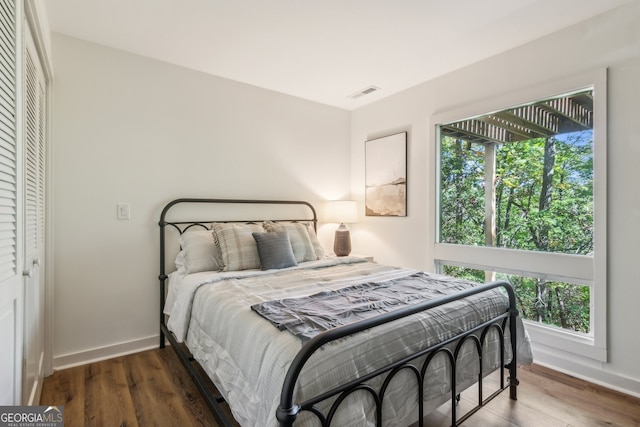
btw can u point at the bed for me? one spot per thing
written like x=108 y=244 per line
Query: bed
x=291 y=336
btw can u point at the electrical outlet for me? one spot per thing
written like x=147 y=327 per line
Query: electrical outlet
x=124 y=211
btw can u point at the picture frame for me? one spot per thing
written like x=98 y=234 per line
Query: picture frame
x=386 y=176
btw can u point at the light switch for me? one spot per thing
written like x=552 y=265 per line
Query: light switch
x=124 y=211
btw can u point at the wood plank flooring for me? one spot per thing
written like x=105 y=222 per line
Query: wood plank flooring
x=153 y=389
x=150 y=388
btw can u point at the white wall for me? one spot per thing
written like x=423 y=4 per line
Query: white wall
x=135 y=130
x=611 y=40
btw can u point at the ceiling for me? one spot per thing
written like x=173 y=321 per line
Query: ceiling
x=320 y=50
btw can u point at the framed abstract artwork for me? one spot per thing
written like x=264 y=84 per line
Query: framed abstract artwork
x=386 y=176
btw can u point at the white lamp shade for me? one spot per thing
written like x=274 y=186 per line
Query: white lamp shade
x=341 y=211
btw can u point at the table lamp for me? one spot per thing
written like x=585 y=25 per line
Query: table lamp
x=342 y=211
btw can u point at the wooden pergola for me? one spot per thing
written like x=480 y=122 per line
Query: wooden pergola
x=543 y=119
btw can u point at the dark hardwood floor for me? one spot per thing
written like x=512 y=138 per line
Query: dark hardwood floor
x=152 y=388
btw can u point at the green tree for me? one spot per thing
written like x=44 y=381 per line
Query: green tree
x=544 y=202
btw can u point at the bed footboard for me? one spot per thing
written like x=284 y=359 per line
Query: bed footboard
x=289 y=410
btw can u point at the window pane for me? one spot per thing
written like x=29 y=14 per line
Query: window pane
x=461 y=192
x=540 y=189
x=563 y=305
x=472 y=274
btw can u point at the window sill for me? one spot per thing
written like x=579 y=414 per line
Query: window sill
x=550 y=337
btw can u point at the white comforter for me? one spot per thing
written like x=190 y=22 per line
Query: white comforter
x=248 y=358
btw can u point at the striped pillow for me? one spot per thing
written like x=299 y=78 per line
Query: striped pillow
x=317 y=246
x=299 y=237
x=237 y=245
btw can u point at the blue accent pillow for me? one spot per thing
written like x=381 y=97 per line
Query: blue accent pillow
x=274 y=249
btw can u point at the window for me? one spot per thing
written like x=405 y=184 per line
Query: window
x=517 y=200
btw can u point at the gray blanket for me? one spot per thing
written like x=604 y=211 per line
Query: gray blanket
x=306 y=317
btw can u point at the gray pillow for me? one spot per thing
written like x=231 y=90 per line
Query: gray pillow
x=274 y=249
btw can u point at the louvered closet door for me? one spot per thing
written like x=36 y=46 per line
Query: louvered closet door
x=11 y=282
x=34 y=221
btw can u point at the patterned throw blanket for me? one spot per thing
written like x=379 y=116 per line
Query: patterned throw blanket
x=308 y=316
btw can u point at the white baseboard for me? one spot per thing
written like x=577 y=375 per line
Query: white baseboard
x=593 y=372
x=103 y=353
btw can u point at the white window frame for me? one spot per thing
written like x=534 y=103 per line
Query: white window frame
x=578 y=269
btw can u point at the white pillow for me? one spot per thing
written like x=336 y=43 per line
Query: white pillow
x=180 y=262
x=200 y=252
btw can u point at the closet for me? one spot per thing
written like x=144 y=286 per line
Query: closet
x=23 y=143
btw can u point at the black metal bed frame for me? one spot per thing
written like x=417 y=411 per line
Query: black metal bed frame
x=289 y=410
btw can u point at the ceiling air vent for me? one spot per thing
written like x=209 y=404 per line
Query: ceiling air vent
x=363 y=92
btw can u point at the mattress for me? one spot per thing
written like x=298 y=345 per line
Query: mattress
x=247 y=357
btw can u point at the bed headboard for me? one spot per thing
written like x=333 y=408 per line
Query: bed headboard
x=180 y=215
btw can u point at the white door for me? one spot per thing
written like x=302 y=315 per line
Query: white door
x=34 y=203
x=11 y=253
